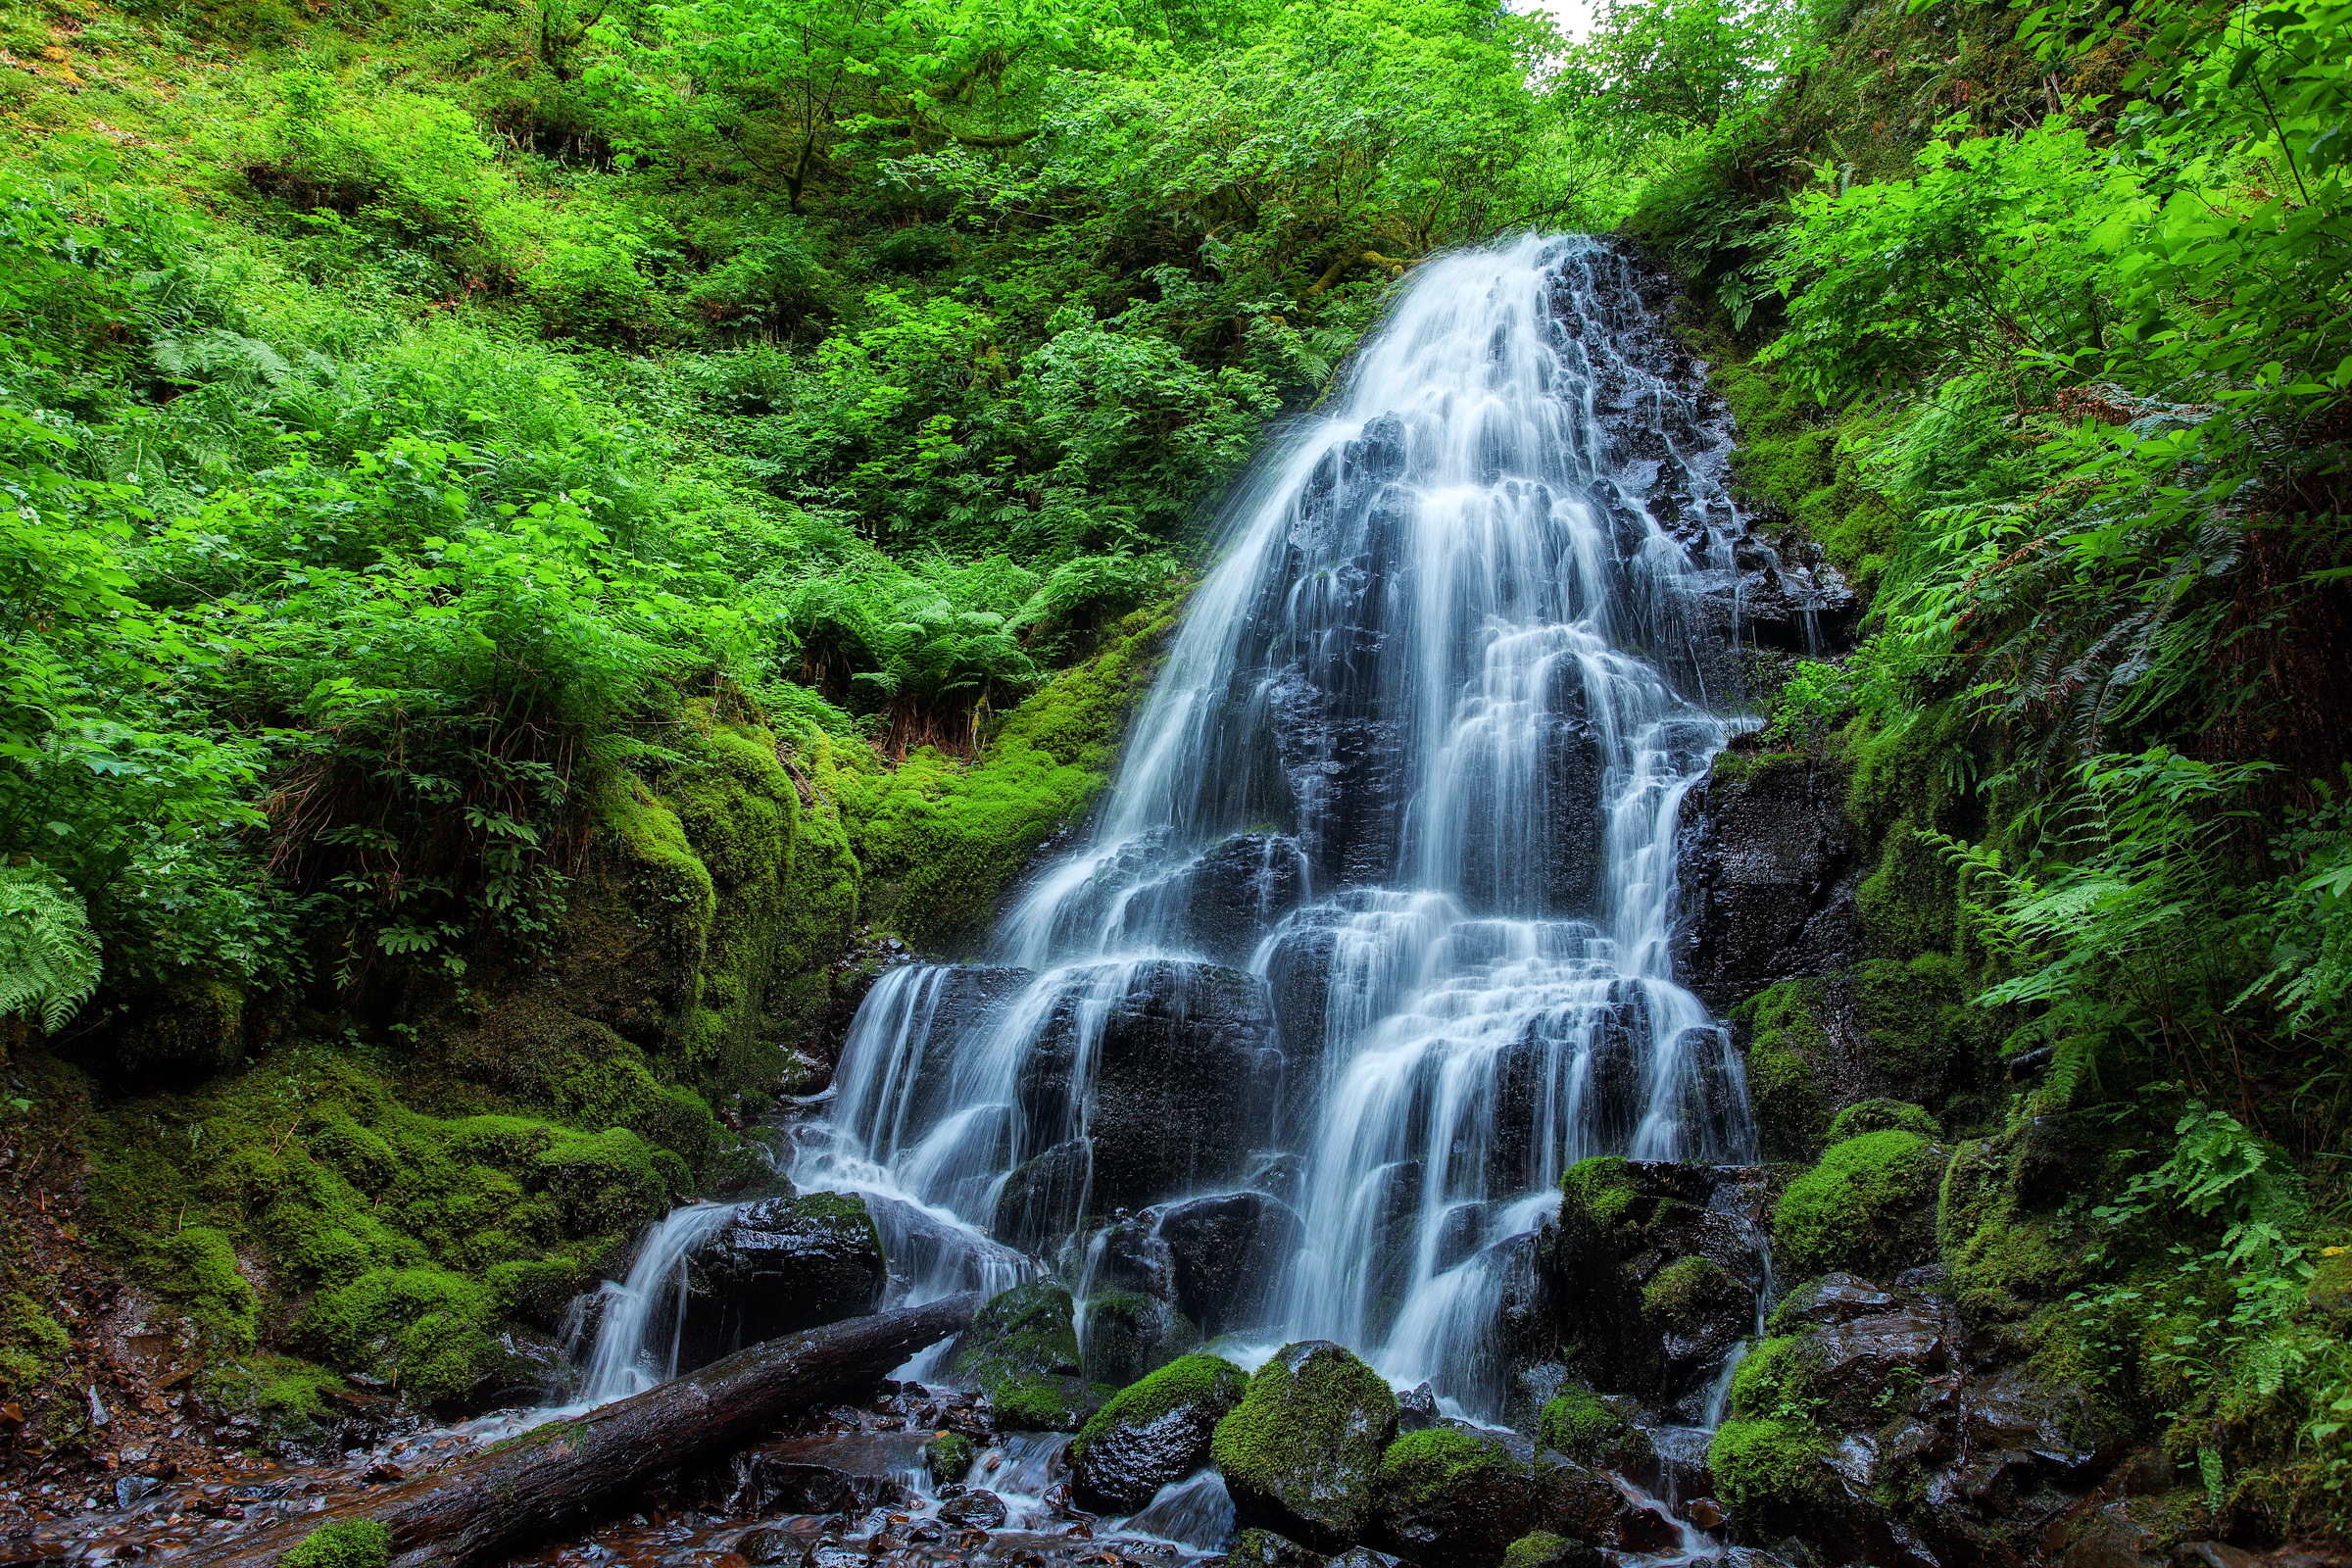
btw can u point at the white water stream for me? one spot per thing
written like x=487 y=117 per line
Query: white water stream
x=1415 y=755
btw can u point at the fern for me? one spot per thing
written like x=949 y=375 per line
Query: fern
x=48 y=955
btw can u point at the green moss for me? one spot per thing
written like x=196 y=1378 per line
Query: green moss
x=345 y=1543
x=199 y=1266
x=950 y=1458
x=1593 y=1429
x=941 y=838
x=428 y=1329
x=1599 y=1187
x=1540 y=1549
x=1420 y=1469
x=1022 y=1350
x=1788 y=1048
x=1689 y=1291
x=1204 y=1380
x=1881 y=1115
x=1867 y=1206
x=1310 y=1434
x=1770 y=1473
x=32 y=1344
x=1779 y=1378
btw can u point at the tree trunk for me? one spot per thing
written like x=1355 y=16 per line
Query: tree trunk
x=561 y=1475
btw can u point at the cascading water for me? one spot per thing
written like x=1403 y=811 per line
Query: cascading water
x=1375 y=921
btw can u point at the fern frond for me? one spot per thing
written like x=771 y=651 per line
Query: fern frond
x=48 y=955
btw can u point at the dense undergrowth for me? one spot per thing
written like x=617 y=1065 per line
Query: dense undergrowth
x=540 y=540
x=2038 y=323
x=530 y=527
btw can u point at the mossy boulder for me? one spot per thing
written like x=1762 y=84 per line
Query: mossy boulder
x=1648 y=1280
x=1540 y=1549
x=1868 y=1206
x=776 y=1266
x=1301 y=1453
x=1773 y=1475
x=1595 y=1429
x=345 y=1543
x=1022 y=1352
x=1153 y=1432
x=1447 y=1496
x=950 y=1458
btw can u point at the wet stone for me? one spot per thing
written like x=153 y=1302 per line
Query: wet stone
x=1226 y=1255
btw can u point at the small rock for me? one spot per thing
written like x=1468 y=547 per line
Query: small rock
x=977 y=1509
x=1705 y=1512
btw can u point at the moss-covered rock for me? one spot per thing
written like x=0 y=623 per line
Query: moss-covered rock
x=1264 y=1549
x=1773 y=1476
x=1788 y=1056
x=1596 y=1430
x=1878 y=1115
x=345 y=1543
x=1022 y=1350
x=1867 y=1206
x=1540 y=1549
x=950 y=1458
x=1153 y=1432
x=1447 y=1496
x=1301 y=1452
x=1689 y=1293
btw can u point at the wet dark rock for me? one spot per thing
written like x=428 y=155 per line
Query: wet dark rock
x=1152 y=1433
x=1042 y=1200
x=1575 y=1501
x=1129 y=1334
x=1302 y=1452
x=778 y=1266
x=1416 y=1408
x=767 y=1545
x=1221 y=902
x=1651 y=1275
x=1226 y=1255
x=976 y=1509
x=843 y=1473
x=1766 y=866
x=1183 y=1077
x=1835 y=1298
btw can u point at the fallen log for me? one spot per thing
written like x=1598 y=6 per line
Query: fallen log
x=567 y=1472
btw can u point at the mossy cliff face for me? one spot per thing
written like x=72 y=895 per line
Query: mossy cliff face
x=314 y=1196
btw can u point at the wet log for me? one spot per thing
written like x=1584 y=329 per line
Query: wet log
x=566 y=1473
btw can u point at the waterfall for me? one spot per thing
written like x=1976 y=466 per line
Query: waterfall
x=1375 y=918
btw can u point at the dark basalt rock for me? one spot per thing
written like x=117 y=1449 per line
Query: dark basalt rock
x=1767 y=867
x=1226 y=1255
x=976 y=1509
x=843 y=1473
x=1129 y=1335
x=1224 y=899
x=779 y=1265
x=1183 y=1070
x=1152 y=1433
